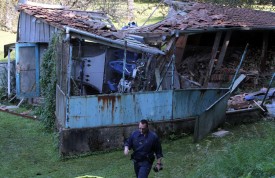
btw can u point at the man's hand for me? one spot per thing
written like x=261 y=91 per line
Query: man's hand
x=126 y=150
x=158 y=167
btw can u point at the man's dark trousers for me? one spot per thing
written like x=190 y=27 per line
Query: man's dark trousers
x=142 y=168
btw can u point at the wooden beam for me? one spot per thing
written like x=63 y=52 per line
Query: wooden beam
x=170 y=45
x=153 y=37
x=224 y=49
x=180 y=47
x=213 y=56
x=264 y=50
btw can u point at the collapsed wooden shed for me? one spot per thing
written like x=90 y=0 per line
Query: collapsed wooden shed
x=208 y=40
x=108 y=79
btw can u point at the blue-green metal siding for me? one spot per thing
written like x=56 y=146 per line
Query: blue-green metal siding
x=193 y=102
x=118 y=109
x=211 y=118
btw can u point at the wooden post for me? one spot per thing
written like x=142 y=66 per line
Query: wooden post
x=213 y=56
x=224 y=48
x=264 y=50
x=9 y=73
x=157 y=75
x=180 y=47
x=170 y=45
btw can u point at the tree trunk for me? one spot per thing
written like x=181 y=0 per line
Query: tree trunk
x=130 y=10
x=9 y=14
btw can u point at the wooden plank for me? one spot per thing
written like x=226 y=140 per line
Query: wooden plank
x=28 y=29
x=157 y=75
x=213 y=56
x=224 y=48
x=153 y=35
x=264 y=50
x=22 y=30
x=170 y=45
x=36 y=32
x=180 y=47
x=32 y=36
x=52 y=31
x=41 y=32
x=46 y=28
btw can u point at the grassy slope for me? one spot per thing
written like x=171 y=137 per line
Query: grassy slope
x=6 y=38
x=142 y=11
x=151 y=11
x=27 y=151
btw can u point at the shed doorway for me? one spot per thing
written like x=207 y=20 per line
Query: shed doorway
x=27 y=70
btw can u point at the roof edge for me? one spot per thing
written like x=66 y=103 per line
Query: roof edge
x=115 y=43
x=50 y=6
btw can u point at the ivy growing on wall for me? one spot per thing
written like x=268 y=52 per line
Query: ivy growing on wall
x=48 y=84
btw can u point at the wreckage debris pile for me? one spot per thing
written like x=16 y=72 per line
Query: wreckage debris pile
x=194 y=66
x=238 y=102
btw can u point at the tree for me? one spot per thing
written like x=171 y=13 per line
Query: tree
x=130 y=4
x=9 y=16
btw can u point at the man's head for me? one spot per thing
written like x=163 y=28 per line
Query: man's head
x=143 y=126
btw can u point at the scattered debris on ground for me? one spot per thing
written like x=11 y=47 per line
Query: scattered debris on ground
x=12 y=109
x=220 y=133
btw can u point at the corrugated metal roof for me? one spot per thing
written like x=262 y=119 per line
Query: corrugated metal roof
x=202 y=16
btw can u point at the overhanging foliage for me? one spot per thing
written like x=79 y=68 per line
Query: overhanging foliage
x=48 y=84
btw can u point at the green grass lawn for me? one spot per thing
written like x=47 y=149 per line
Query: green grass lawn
x=142 y=12
x=28 y=151
x=157 y=14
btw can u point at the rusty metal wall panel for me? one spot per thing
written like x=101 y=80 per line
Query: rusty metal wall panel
x=194 y=101
x=211 y=118
x=117 y=109
x=60 y=110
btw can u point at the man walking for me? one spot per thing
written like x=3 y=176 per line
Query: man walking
x=146 y=146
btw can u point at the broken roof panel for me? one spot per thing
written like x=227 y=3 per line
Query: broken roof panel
x=92 y=25
x=186 y=16
x=93 y=22
x=132 y=43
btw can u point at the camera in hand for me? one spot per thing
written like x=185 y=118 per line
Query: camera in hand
x=156 y=169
